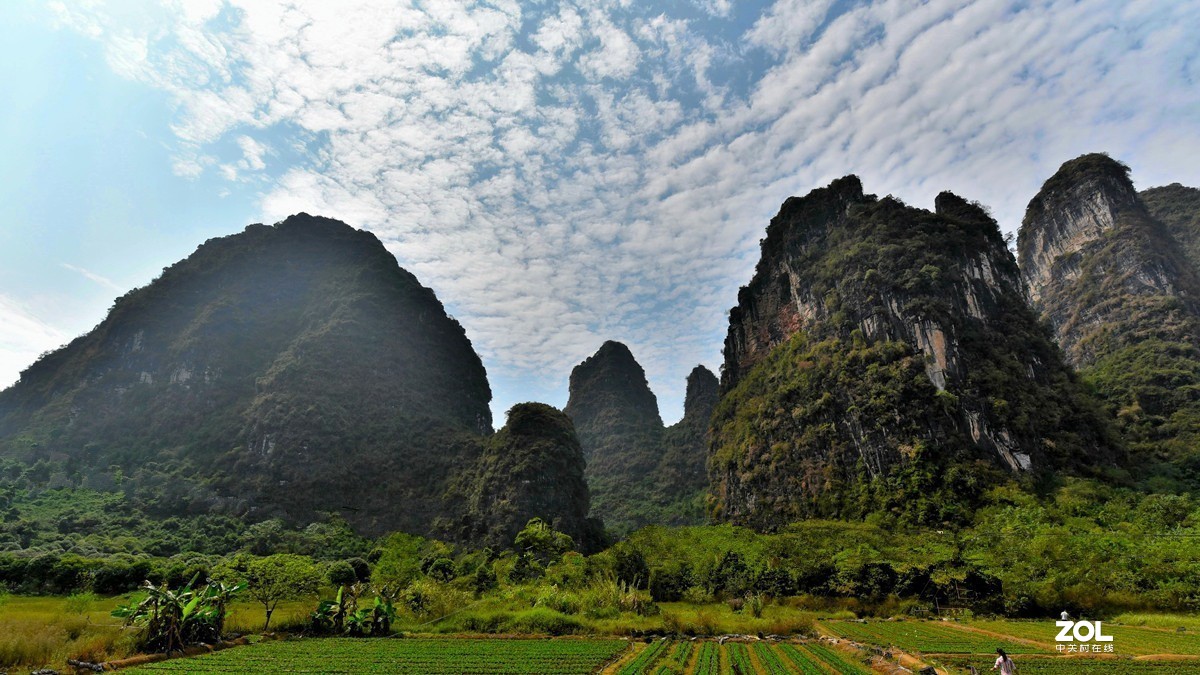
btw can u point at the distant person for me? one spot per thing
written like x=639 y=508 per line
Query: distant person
x=1065 y=616
x=1005 y=664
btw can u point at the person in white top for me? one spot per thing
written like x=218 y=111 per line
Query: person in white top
x=1005 y=664
x=1065 y=616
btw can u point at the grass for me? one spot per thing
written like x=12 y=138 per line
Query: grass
x=45 y=631
x=1127 y=640
x=718 y=619
x=1164 y=621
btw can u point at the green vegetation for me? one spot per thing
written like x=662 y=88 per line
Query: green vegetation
x=640 y=473
x=170 y=620
x=271 y=579
x=531 y=468
x=417 y=656
x=926 y=637
x=646 y=659
x=269 y=373
x=883 y=361
x=1081 y=666
x=1122 y=301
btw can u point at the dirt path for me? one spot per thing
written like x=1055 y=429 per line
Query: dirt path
x=624 y=657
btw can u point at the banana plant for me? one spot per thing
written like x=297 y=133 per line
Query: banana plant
x=382 y=616
x=171 y=619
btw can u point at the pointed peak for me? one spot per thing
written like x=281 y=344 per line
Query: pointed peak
x=1083 y=178
x=613 y=349
x=702 y=392
x=701 y=377
x=950 y=205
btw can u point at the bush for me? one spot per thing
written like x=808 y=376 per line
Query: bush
x=545 y=621
x=340 y=573
x=80 y=603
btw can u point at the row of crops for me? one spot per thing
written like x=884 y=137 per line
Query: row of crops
x=404 y=656
x=471 y=656
x=954 y=648
x=665 y=657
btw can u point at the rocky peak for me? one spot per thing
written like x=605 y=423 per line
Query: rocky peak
x=1177 y=207
x=877 y=338
x=703 y=390
x=1076 y=205
x=610 y=386
x=950 y=205
x=639 y=473
x=1115 y=276
x=1089 y=249
x=267 y=374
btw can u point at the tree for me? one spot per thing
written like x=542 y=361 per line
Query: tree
x=542 y=542
x=269 y=579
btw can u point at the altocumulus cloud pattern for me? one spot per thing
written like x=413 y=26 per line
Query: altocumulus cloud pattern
x=562 y=173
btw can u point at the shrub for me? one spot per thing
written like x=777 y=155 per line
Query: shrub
x=544 y=621
x=80 y=603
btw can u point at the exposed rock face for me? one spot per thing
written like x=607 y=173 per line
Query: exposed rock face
x=639 y=473
x=883 y=358
x=532 y=468
x=286 y=371
x=1092 y=255
x=1118 y=283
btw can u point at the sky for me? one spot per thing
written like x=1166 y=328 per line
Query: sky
x=560 y=173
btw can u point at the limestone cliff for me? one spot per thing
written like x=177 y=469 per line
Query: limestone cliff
x=291 y=371
x=883 y=357
x=1120 y=289
x=639 y=473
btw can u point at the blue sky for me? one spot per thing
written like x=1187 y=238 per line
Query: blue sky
x=559 y=173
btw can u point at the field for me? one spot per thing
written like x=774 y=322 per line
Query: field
x=1015 y=637
x=1078 y=666
x=928 y=637
x=47 y=630
x=497 y=656
x=956 y=647
x=1127 y=640
x=435 y=656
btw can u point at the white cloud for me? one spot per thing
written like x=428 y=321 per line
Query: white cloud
x=567 y=175
x=93 y=277
x=252 y=153
x=23 y=339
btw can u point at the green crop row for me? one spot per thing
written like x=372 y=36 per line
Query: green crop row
x=739 y=659
x=805 y=663
x=418 y=657
x=644 y=662
x=709 y=662
x=837 y=660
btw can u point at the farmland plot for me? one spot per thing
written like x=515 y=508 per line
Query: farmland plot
x=405 y=656
x=926 y=637
x=481 y=656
